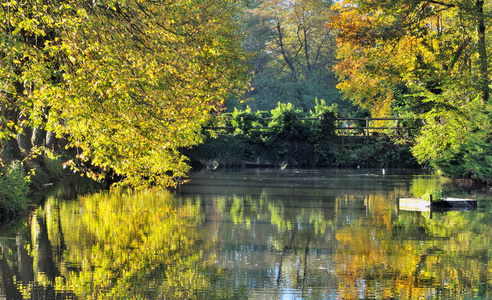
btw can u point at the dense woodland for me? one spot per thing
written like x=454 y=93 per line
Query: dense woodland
x=119 y=89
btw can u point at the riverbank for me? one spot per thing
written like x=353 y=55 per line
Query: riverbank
x=333 y=152
x=30 y=181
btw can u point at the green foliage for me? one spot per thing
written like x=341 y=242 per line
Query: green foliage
x=323 y=124
x=373 y=154
x=14 y=189
x=459 y=148
x=361 y=114
x=409 y=107
x=269 y=88
x=128 y=83
x=293 y=52
x=231 y=151
x=294 y=139
x=324 y=120
x=245 y=121
x=237 y=151
x=53 y=165
x=436 y=196
x=286 y=123
x=439 y=84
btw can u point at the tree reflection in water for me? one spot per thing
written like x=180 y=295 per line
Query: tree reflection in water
x=251 y=239
x=111 y=245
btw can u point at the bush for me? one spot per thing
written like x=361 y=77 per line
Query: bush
x=457 y=145
x=287 y=124
x=295 y=140
x=470 y=157
x=230 y=151
x=245 y=121
x=53 y=166
x=374 y=154
x=14 y=189
x=324 y=120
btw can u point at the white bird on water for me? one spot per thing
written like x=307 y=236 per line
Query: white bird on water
x=384 y=171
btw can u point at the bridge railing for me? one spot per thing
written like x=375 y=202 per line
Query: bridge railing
x=346 y=129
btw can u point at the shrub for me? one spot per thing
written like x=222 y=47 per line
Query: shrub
x=245 y=121
x=53 y=165
x=287 y=124
x=436 y=196
x=14 y=188
x=465 y=146
x=324 y=120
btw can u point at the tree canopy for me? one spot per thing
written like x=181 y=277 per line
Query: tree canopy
x=128 y=83
x=426 y=61
x=293 y=53
x=429 y=47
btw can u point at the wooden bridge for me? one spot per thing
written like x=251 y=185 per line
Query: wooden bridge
x=347 y=128
x=365 y=130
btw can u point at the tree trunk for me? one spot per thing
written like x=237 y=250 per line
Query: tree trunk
x=9 y=148
x=289 y=61
x=38 y=136
x=483 y=81
x=306 y=54
x=24 y=139
x=51 y=141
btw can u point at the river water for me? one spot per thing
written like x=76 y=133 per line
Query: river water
x=252 y=234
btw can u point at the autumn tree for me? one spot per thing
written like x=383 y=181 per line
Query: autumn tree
x=292 y=48
x=423 y=60
x=425 y=45
x=128 y=83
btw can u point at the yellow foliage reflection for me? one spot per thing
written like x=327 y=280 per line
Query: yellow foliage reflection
x=122 y=245
x=408 y=256
x=243 y=243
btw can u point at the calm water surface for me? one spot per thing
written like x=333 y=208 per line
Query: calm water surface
x=252 y=234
